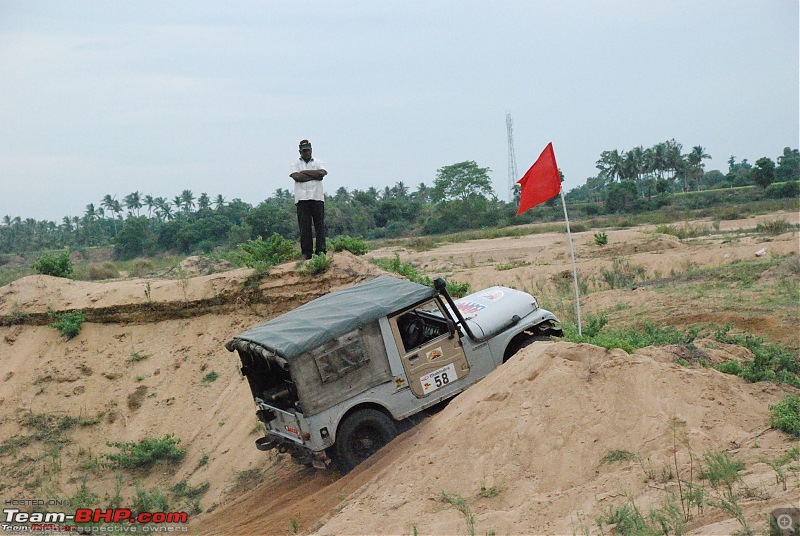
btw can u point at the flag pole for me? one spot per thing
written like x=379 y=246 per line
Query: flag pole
x=574 y=267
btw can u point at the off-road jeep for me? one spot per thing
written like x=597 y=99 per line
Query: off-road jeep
x=335 y=377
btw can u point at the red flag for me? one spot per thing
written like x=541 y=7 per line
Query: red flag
x=541 y=183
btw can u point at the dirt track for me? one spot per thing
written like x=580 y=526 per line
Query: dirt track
x=534 y=432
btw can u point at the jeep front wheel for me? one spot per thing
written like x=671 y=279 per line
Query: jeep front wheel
x=361 y=435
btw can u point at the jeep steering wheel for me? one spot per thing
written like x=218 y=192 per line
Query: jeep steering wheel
x=414 y=331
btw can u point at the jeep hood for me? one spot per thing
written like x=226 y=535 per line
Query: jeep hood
x=489 y=310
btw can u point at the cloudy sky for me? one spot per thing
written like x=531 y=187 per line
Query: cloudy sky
x=113 y=97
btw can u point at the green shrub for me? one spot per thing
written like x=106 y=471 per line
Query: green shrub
x=454 y=288
x=356 y=246
x=622 y=273
x=617 y=455
x=262 y=254
x=770 y=362
x=142 y=267
x=594 y=324
x=145 y=453
x=789 y=190
x=601 y=238
x=317 y=264
x=628 y=519
x=421 y=243
x=183 y=489
x=785 y=415
x=211 y=377
x=511 y=265
x=58 y=265
x=629 y=339
x=774 y=227
x=137 y=356
x=106 y=270
x=686 y=231
x=720 y=468
x=68 y=323
x=150 y=500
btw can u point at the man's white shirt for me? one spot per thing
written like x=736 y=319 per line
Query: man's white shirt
x=311 y=190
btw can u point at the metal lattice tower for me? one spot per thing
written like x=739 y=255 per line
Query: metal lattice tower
x=513 y=176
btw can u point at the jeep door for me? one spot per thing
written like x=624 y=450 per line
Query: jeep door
x=429 y=347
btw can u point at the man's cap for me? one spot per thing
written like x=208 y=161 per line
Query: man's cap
x=305 y=144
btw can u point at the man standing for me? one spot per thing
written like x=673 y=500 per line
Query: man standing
x=309 y=199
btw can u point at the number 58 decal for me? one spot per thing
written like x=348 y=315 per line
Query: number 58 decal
x=438 y=378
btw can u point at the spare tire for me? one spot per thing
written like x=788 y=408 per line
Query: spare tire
x=362 y=434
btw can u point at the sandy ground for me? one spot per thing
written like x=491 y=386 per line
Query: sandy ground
x=523 y=448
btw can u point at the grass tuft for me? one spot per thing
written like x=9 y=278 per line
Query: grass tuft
x=616 y=455
x=68 y=323
x=454 y=288
x=146 y=453
x=785 y=415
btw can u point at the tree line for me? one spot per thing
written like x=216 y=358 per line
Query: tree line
x=460 y=198
x=663 y=168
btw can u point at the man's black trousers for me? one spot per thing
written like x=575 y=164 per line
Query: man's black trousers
x=311 y=214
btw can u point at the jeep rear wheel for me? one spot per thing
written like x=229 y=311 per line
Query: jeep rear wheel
x=361 y=435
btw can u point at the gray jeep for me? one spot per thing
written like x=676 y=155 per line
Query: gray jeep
x=336 y=377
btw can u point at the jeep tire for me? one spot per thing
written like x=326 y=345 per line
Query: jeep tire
x=361 y=435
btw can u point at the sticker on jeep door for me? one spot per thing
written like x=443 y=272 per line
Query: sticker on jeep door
x=438 y=378
x=436 y=353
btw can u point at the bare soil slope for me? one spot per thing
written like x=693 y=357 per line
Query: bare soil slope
x=523 y=448
x=143 y=366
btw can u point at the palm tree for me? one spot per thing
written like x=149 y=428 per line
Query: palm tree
x=91 y=213
x=219 y=202
x=178 y=202
x=187 y=197
x=163 y=208
x=133 y=202
x=116 y=208
x=422 y=194
x=611 y=164
x=696 y=165
x=150 y=203
x=400 y=190
x=108 y=202
x=166 y=212
x=203 y=202
x=658 y=159
x=342 y=195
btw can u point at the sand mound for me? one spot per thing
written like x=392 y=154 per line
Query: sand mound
x=28 y=300
x=196 y=265
x=534 y=433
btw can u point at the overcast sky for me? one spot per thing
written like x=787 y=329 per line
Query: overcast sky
x=113 y=97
